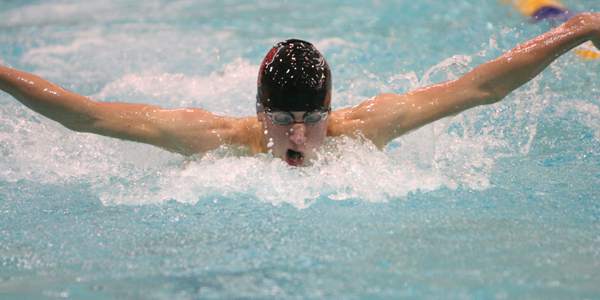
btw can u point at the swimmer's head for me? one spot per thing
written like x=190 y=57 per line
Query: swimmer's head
x=294 y=76
x=294 y=91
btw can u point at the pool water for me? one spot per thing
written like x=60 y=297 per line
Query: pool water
x=498 y=202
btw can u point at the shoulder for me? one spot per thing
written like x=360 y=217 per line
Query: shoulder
x=372 y=118
x=197 y=130
x=247 y=132
x=200 y=118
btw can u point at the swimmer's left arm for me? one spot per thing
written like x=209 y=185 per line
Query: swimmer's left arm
x=388 y=116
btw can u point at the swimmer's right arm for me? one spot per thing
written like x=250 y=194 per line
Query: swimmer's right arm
x=184 y=130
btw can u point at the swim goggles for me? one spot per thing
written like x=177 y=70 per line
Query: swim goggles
x=310 y=117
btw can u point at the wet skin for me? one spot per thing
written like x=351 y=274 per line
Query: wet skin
x=294 y=143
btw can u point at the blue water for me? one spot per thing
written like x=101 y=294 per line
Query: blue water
x=500 y=202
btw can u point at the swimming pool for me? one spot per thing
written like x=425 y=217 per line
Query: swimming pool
x=499 y=202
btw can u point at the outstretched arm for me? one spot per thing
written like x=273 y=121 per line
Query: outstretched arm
x=388 y=116
x=185 y=130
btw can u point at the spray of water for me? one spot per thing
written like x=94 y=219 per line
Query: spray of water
x=454 y=152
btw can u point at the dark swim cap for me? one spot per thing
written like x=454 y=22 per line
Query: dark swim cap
x=294 y=76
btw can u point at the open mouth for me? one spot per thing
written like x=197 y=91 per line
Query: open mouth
x=294 y=158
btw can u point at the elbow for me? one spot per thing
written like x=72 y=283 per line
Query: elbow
x=492 y=99
x=74 y=126
x=490 y=95
x=79 y=125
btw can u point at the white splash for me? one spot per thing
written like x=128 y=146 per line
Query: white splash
x=453 y=152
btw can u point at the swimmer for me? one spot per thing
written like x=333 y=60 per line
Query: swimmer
x=294 y=115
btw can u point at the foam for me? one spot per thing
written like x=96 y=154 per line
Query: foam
x=347 y=169
x=454 y=152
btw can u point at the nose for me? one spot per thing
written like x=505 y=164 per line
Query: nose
x=297 y=134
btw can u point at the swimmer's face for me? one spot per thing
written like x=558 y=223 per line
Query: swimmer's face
x=294 y=143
